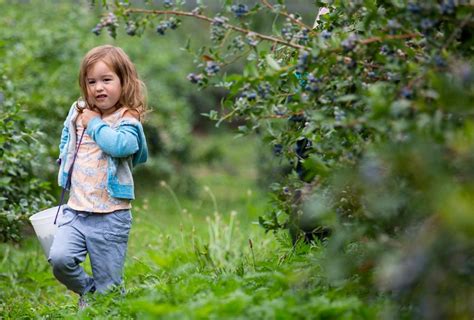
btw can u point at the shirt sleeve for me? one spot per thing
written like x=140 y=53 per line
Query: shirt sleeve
x=119 y=142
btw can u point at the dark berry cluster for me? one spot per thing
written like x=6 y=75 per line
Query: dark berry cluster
x=167 y=3
x=350 y=42
x=439 y=61
x=302 y=150
x=312 y=83
x=386 y=50
x=413 y=8
x=218 y=28
x=393 y=26
x=277 y=149
x=407 y=93
x=302 y=36
x=110 y=22
x=426 y=24
x=339 y=115
x=195 y=78
x=289 y=30
x=297 y=121
x=252 y=39
x=131 y=28
x=304 y=60
x=164 y=25
x=212 y=68
x=264 y=90
x=238 y=43
x=447 y=7
x=239 y=10
x=250 y=95
x=325 y=34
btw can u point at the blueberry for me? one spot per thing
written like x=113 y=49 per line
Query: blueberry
x=385 y=50
x=195 y=78
x=414 y=8
x=426 y=24
x=167 y=3
x=250 y=95
x=212 y=68
x=131 y=28
x=263 y=90
x=407 y=93
x=173 y=24
x=302 y=147
x=393 y=24
x=439 y=62
x=277 y=149
x=252 y=39
x=302 y=36
x=448 y=7
x=312 y=83
x=97 y=29
x=297 y=118
x=349 y=43
x=287 y=31
x=161 y=28
x=303 y=60
x=239 y=10
x=326 y=34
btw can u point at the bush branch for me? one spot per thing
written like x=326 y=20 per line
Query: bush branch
x=296 y=21
x=226 y=25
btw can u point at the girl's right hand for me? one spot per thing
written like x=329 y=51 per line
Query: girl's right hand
x=88 y=115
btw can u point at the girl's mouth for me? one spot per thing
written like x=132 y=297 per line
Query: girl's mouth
x=101 y=96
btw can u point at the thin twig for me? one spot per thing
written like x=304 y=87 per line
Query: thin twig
x=389 y=37
x=296 y=21
x=225 y=25
x=263 y=36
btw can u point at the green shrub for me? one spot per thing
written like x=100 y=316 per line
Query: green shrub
x=22 y=192
x=372 y=109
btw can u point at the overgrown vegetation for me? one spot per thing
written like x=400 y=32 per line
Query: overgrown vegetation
x=371 y=108
x=21 y=191
x=191 y=259
x=368 y=116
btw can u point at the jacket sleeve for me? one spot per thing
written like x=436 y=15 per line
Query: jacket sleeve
x=118 y=143
x=64 y=137
x=65 y=131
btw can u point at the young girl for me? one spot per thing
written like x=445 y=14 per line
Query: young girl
x=97 y=217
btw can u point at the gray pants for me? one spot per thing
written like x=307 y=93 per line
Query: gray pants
x=103 y=236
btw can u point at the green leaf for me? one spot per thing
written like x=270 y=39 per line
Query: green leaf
x=272 y=62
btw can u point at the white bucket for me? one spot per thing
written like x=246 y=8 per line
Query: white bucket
x=43 y=223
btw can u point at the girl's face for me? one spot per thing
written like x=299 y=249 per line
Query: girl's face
x=104 y=87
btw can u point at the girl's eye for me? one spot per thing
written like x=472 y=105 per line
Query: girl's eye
x=91 y=82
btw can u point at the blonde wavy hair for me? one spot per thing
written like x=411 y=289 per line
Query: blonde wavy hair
x=133 y=96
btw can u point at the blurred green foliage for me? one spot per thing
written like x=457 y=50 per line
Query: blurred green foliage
x=22 y=192
x=372 y=110
x=41 y=46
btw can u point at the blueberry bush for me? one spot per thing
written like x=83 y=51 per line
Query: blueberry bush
x=368 y=107
x=22 y=191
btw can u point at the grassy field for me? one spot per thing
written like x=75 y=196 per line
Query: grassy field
x=201 y=257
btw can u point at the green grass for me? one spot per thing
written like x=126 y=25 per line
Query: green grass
x=190 y=258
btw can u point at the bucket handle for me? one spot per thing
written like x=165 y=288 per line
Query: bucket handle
x=68 y=182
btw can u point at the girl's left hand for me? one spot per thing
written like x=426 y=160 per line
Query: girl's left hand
x=87 y=116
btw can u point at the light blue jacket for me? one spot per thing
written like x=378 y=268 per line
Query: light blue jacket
x=124 y=144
